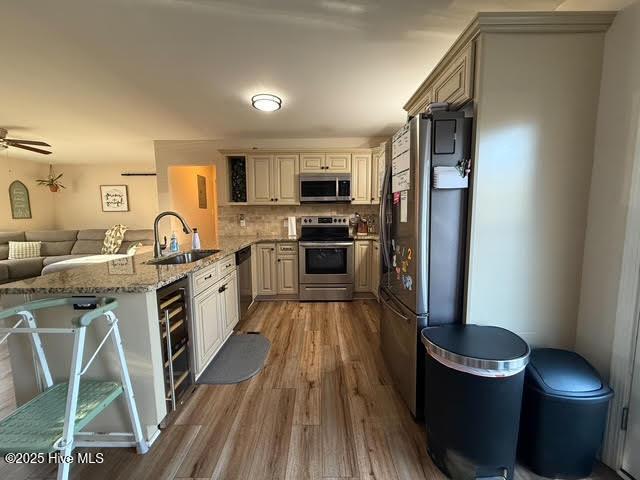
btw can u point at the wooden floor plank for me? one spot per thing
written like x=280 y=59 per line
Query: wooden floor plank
x=305 y=453
x=203 y=456
x=322 y=408
x=338 y=444
x=269 y=459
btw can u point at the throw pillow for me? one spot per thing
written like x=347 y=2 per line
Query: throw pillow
x=113 y=239
x=19 y=250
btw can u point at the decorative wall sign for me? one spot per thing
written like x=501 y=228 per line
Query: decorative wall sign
x=202 y=191
x=115 y=198
x=19 y=200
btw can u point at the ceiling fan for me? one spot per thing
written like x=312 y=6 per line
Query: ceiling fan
x=24 y=144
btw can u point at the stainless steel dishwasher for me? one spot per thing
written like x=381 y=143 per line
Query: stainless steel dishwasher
x=243 y=263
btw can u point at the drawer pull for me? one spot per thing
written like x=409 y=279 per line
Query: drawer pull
x=208 y=276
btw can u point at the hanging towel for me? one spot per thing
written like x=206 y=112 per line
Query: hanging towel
x=113 y=239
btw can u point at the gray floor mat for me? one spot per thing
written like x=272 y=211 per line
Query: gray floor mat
x=239 y=359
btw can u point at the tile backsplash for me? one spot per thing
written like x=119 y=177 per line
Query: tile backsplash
x=270 y=220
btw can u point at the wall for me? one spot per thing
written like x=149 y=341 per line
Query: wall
x=534 y=149
x=265 y=219
x=183 y=191
x=79 y=205
x=42 y=211
x=206 y=152
x=617 y=152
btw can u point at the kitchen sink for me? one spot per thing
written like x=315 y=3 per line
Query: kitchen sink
x=184 y=257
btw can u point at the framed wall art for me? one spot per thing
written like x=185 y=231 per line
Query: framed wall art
x=115 y=198
x=19 y=200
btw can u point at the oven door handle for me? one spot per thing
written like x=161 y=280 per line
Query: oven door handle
x=388 y=305
x=326 y=244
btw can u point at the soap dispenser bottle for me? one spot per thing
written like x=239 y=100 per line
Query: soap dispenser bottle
x=173 y=246
x=195 y=239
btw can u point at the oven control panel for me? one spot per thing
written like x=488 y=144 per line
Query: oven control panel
x=338 y=220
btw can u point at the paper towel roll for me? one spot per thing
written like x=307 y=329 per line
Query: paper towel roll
x=292 y=227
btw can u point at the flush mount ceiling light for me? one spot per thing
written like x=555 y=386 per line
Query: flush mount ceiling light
x=266 y=102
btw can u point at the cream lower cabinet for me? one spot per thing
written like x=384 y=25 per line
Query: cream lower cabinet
x=287 y=274
x=215 y=313
x=363 y=266
x=375 y=267
x=266 y=265
x=277 y=268
x=272 y=179
x=207 y=325
x=230 y=300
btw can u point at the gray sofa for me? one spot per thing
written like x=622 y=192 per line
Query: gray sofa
x=58 y=245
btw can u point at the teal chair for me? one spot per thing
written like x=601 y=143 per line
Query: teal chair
x=53 y=420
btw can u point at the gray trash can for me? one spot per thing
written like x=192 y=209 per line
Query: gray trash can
x=473 y=395
x=564 y=414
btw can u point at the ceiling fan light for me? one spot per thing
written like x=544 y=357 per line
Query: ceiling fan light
x=266 y=102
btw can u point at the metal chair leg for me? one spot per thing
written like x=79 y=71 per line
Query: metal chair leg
x=66 y=443
x=141 y=444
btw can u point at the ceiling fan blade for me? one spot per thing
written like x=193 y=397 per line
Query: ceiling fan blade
x=31 y=149
x=26 y=142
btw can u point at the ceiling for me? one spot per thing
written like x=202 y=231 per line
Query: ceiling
x=101 y=81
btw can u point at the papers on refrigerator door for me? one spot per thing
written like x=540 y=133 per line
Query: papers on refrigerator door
x=401 y=181
x=403 y=206
x=400 y=163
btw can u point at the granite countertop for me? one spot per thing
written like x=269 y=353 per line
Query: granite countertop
x=131 y=274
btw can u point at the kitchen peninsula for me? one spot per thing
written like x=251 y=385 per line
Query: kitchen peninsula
x=137 y=285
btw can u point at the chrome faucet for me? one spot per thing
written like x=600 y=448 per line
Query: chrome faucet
x=157 y=246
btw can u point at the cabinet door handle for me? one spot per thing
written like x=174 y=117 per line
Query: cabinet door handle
x=222 y=289
x=278 y=260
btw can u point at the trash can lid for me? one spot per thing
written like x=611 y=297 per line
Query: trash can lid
x=564 y=373
x=477 y=349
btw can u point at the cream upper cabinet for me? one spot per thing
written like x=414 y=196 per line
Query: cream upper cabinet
x=361 y=179
x=312 y=163
x=260 y=179
x=363 y=266
x=267 y=274
x=455 y=84
x=325 y=163
x=285 y=175
x=272 y=179
x=377 y=173
x=287 y=274
x=338 y=163
x=375 y=267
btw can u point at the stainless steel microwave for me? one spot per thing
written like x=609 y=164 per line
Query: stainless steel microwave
x=325 y=187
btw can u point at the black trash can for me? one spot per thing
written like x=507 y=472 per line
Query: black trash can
x=564 y=413
x=473 y=395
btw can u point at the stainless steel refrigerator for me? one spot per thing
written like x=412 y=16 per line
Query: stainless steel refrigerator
x=423 y=228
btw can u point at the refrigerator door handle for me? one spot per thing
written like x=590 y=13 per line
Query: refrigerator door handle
x=383 y=217
x=388 y=305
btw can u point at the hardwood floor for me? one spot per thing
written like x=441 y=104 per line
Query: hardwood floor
x=322 y=408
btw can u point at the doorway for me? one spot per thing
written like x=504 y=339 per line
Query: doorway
x=192 y=193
